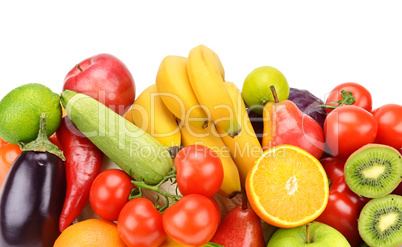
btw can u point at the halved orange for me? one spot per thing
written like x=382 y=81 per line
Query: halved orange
x=287 y=187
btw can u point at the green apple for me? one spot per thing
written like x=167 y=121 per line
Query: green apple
x=256 y=90
x=320 y=235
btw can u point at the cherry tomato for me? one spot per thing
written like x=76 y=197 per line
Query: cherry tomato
x=348 y=128
x=361 y=95
x=109 y=193
x=344 y=206
x=140 y=224
x=389 y=120
x=191 y=221
x=199 y=171
x=8 y=154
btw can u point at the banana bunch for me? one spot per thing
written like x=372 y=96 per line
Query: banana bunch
x=151 y=115
x=176 y=92
x=191 y=103
x=206 y=79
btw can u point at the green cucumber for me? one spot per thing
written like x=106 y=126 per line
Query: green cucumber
x=132 y=149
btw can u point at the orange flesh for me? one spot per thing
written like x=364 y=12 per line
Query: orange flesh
x=288 y=189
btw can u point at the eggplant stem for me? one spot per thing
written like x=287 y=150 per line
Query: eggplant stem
x=42 y=143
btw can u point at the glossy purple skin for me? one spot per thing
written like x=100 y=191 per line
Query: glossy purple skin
x=308 y=104
x=31 y=200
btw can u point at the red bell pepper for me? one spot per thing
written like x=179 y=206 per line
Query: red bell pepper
x=83 y=163
x=344 y=206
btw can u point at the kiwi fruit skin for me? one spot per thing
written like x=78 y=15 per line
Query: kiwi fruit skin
x=387 y=209
x=376 y=187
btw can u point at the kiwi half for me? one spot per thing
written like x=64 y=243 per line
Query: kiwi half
x=380 y=221
x=374 y=170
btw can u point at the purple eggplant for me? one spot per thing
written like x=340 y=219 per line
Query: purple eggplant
x=308 y=103
x=32 y=198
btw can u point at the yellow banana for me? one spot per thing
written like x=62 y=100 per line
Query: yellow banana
x=150 y=114
x=176 y=92
x=209 y=137
x=219 y=64
x=245 y=148
x=204 y=72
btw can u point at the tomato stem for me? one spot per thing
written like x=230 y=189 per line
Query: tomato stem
x=137 y=192
x=347 y=99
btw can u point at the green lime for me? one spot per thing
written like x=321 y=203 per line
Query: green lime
x=256 y=90
x=20 y=112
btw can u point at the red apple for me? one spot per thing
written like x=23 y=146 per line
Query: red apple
x=104 y=78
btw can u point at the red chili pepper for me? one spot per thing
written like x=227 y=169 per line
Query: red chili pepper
x=83 y=163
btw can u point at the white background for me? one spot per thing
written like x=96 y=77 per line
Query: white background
x=316 y=44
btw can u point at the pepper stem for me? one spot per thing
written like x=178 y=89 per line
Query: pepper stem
x=42 y=143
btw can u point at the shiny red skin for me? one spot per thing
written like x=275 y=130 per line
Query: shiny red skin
x=389 y=121
x=105 y=78
x=199 y=171
x=286 y=124
x=361 y=94
x=83 y=163
x=344 y=206
x=110 y=192
x=347 y=129
x=240 y=228
x=140 y=224
x=192 y=221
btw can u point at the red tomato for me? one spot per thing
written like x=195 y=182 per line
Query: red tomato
x=348 y=128
x=140 y=224
x=199 y=171
x=8 y=154
x=389 y=121
x=344 y=206
x=361 y=94
x=191 y=221
x=109 y=193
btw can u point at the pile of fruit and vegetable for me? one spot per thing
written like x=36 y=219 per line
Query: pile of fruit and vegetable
x=194 y=160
